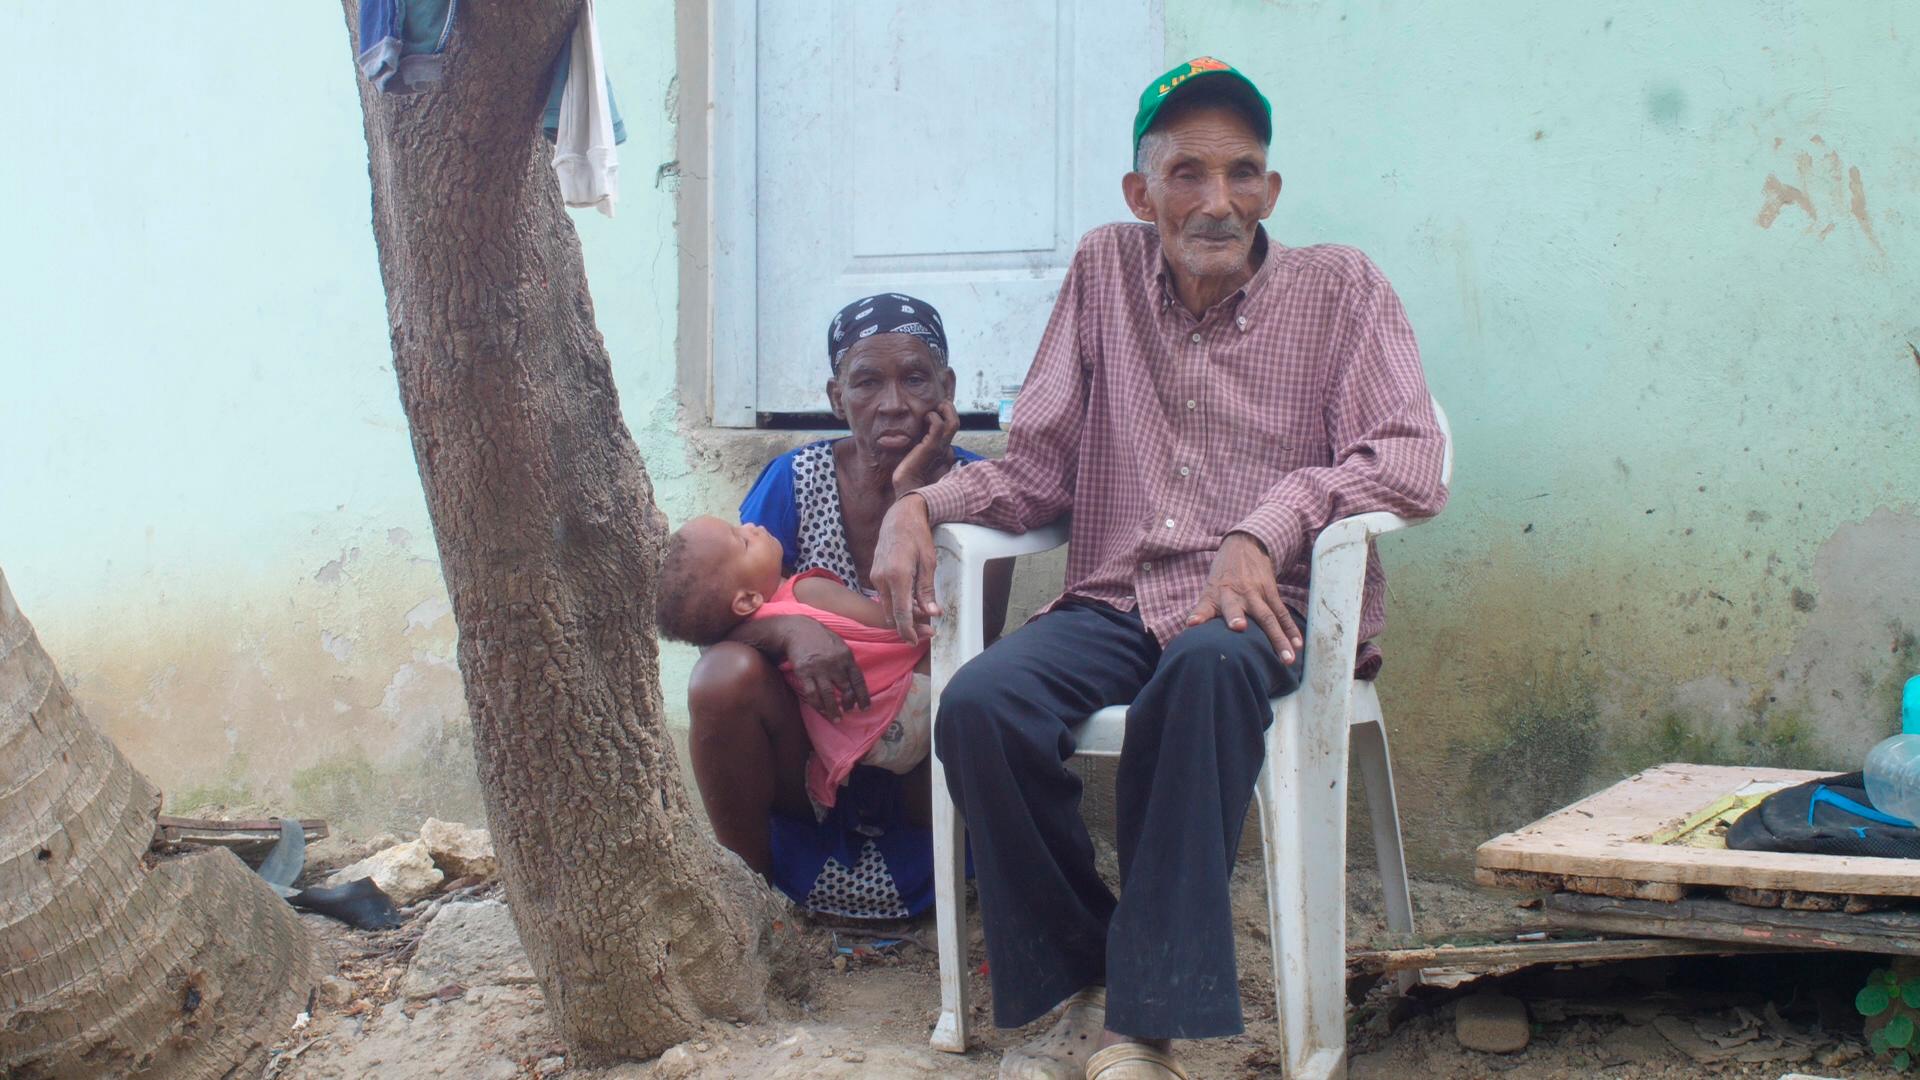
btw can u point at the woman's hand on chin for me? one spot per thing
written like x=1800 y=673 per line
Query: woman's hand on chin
x=932 y=456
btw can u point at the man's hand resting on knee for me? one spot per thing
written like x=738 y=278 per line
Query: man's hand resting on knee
x=1241 y=586
x=903 y=562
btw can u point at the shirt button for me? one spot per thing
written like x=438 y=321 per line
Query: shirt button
x=1191 y=404
x=1184 y=470
x=1196 y=338
x=1241 y=322
x=1146 y=568
x=1169 y=523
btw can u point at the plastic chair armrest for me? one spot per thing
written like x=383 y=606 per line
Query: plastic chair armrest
x=959 y=583
x=977 y=544
x=1359 y=528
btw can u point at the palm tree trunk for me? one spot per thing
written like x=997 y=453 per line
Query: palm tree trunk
x=116 y=961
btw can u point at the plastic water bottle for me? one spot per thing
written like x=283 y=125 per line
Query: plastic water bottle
x=1009 y=393
x=1893 y=767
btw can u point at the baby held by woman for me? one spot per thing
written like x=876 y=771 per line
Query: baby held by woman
x=717 y=575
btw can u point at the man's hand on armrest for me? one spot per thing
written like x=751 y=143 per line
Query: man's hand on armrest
x=903 y=563
x=824 y=673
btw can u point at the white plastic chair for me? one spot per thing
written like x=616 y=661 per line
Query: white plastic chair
x=1302 y=790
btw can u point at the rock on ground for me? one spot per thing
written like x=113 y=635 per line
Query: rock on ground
x=468 y=945
x=1491 y=1022
x=460 y=850
x=1633 y=1044
x=405 y=872
x=491 y=1033
x=810 y=1052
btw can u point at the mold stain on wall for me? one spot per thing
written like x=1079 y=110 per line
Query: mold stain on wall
x=1569 y=720
x=328 y=691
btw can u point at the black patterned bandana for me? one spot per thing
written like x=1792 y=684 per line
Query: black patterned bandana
x=884 y=313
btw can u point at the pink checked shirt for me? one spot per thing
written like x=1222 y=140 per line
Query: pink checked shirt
x=1294 y=402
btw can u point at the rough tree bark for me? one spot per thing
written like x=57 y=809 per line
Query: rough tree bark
x=639 y=927
x=114 y=961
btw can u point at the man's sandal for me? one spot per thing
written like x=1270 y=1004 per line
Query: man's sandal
x=1062 y=1053
x=1134 y=1061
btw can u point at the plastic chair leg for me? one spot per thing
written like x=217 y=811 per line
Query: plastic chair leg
x=950 y=915
x=1368 y=744
x=1266 y=798
x=1306 y=913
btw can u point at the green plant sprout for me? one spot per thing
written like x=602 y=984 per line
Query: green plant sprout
x=1898 y=1000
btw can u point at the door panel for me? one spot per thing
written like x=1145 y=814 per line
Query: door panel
x=930 y=169
x=955 y=152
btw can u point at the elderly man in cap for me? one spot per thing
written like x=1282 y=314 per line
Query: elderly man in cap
x=1204 y=401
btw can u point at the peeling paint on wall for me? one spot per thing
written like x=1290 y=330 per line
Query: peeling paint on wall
x=1535 y=728
x=1682 y=522
x=336 y=698
x=210 y=507
x=1827 y=182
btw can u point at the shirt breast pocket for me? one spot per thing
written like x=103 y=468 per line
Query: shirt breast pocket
x=1304 y=456
x=1248 y=469
x=1262 y=462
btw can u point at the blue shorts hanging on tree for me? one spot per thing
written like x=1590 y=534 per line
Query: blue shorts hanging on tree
x=403 y=42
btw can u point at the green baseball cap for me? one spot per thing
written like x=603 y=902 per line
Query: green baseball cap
x=1166 y=87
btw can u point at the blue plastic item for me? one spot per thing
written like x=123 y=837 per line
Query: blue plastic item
x=1893 y=776
x=1910 y=707
x=1826 y=795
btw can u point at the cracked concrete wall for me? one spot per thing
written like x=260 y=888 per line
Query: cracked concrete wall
x=1665 y=270
x=1662 y=266
x=208 y=503
x=208 y=500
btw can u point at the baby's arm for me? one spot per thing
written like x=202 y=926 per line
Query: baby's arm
x=829 y=595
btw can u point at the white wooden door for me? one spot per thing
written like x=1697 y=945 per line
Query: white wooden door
x=952 y=151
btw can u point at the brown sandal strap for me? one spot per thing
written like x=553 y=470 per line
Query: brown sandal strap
x=1133 y=1053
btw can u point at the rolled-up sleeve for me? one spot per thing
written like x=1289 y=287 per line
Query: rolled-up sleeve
x=1033 y=484
x=1387 y=445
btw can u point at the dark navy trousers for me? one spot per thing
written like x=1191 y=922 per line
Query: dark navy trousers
x=1195 y=741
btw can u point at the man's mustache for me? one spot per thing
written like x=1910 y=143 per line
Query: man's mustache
x=1217 y=230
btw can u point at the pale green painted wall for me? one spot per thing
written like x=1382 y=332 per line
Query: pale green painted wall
x=208 y=502
x=1671 y=414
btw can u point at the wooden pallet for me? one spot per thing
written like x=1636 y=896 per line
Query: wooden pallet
x=1656 y=836
x=1515 y=955
x=1709 y=919
x=246 y=834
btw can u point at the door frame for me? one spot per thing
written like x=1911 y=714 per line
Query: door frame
x=718 y=53
x=733 y=214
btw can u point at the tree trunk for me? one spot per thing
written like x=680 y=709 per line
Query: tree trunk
x=115 y=962
x=638 y=926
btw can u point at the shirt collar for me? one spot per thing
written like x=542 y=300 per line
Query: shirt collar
x=1270 y=253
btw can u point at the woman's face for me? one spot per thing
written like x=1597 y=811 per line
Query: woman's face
x=887 y=385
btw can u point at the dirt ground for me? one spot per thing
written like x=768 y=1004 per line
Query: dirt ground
x=869 y=1014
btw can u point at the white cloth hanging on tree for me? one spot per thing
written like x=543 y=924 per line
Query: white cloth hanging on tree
x=584 y=156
